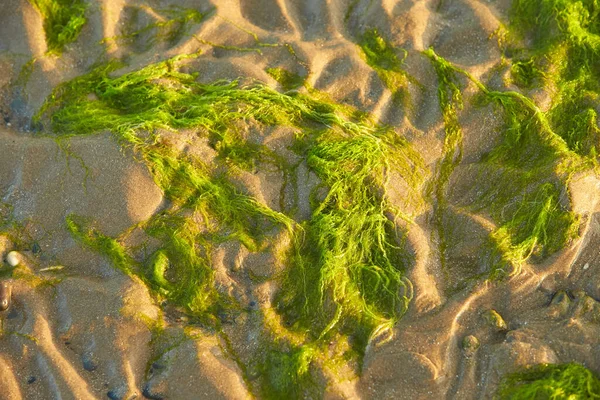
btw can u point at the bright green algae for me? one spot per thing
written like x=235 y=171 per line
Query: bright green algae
x=554 y=44
x=174 y=24
x=529 y=168
x=63 y=20
x=550 y=381
x=345 y=273
x=562 y=52
x=450 y=99
x=382 y=56
x=345 y=264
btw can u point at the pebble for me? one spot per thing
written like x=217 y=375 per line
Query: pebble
x=5 y=294
x=36 y=249
x=13 y=258
x=586 y=266
x=561 y=298
x=114 y=395
x=470 y=344
x=156 y=366
x=88 y=363
x=495 y=320
x=149 y=393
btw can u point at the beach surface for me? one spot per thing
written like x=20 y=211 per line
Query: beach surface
x=81 y=328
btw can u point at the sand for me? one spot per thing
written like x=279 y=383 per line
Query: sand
x=87 y=335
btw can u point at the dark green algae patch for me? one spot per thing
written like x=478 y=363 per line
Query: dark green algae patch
x=344 y=278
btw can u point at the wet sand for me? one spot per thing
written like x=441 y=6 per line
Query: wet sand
x=82 y=331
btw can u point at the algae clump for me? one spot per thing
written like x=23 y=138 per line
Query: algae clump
x=530 y=166
x=63 y=20
x=346 y=263
x=550 y=381
x=495 y=320
x=288 y=80
x=382 y=56
x=563 y=47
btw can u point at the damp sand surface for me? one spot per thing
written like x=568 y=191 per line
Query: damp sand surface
x=85 y=323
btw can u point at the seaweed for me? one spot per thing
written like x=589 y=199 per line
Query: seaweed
x=171 y=25
x=382 y=56
x=287 y=373
x=562 y=39
x=82 y=230
x=450 y=99
x=526 y=74
x=530 y=168
x=550 y=381
x=350 y=267
x=288 y=80
x=346 y=264
x=63 y=20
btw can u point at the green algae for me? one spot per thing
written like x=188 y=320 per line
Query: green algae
x=526 y=74
x=495 y=320
x=346 y=265
x=550 y=381
x=288 y=375
x=348 y=276
x=179 y=269
x=530 y=168
x=450 y=99
x=562 y=40
x=63 y=20
x=382 y=56
x=349 y=266
x=288 y=80
x=172 y=24
x=95 y=240
x=348 y=255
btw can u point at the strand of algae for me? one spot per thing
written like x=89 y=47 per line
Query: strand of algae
x=174 y=23
x=382 y=56
x=347 y=255
x=450 y=99
x=529 y=169
x=63 y=20
x=550 y=381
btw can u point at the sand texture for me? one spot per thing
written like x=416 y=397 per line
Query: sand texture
x=82 y=327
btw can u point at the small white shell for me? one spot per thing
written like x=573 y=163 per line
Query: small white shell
x=586 y=266
x=13 y=258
